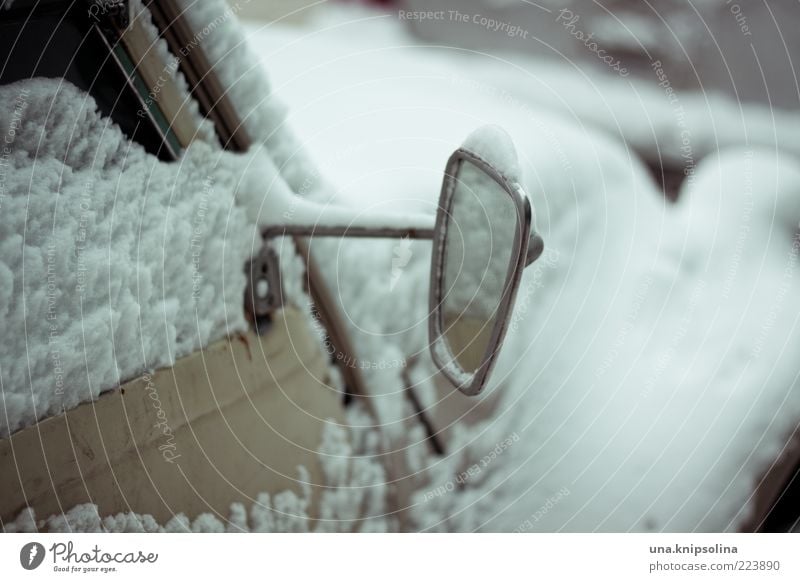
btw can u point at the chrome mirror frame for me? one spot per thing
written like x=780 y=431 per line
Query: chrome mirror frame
x=527 y=247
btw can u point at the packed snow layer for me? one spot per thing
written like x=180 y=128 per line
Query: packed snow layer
x=112 y=262
x=650 y=373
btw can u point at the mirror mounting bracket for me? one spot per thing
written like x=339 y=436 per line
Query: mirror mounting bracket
x=535 y=248
x=263 y=295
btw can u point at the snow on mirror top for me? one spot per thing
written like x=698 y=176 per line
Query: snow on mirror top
x=479 y=246
x=493 y=144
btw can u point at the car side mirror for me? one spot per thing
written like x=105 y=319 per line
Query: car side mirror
x=482 y=241
x=481 y=246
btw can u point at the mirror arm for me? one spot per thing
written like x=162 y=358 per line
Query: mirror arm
x=307 y=218
x=535 y=248
x=412 y=232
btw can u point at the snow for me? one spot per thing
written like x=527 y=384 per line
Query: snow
x=87 y=220
x=493 y=144
x=650 y=373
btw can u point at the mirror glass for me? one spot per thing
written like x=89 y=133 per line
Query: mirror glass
x=481 y=223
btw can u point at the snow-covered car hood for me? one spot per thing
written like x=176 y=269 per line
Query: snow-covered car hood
x=650 y=375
